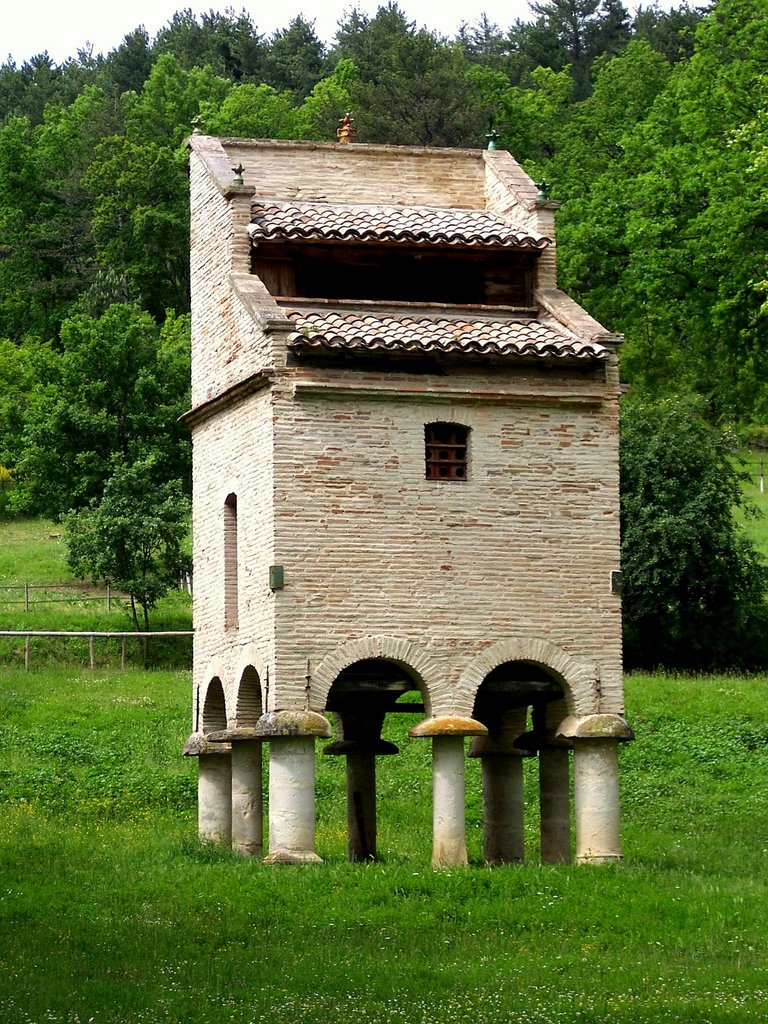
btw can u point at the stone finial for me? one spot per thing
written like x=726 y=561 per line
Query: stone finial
x=543 y=191
x=238 y=173
x=197 y=125
x=346 y=131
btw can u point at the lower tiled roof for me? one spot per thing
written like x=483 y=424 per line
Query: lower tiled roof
x=334 y=331
x=369 y=223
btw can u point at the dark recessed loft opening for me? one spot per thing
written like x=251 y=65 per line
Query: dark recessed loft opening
x=396 y=274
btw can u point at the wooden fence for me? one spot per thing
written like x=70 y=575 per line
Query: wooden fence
x=48 y=593
x=30 y=634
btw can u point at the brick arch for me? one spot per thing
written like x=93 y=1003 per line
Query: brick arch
x=249 y=705
x=385 y=648
x=214 y=670
x=579 y=679
x=214 y=707
x=250 y=686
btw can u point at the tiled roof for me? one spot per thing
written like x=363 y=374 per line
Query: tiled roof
x=319 y=330
x=405 y=224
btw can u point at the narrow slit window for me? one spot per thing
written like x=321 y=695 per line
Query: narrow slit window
x=230 y=561
x=446 y=451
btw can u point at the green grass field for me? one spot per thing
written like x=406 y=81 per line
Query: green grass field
x=112 y=913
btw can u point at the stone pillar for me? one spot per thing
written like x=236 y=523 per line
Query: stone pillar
x=361 y=757
x=292 y=800
x=596 y=784
x=247 y=798
x=503 y=809
x=596 y=801
x=449 y=846
x=214 y=787
x=554 y=805
x=503 y=803
x=291 y=736
x=361 y=807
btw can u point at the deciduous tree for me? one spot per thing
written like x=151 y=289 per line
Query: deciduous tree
x=133 y=538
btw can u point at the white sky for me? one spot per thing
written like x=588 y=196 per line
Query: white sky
x=62 y=27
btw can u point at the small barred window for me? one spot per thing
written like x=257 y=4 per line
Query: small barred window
x=446 y=451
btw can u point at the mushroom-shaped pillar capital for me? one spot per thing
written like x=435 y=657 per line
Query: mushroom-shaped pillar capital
x=595 y=727
x=448 y=725
x=276 y=724
x=200 y=744
x=235 y=735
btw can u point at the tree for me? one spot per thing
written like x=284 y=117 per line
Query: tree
x=423 y=95
x=252 y=111
x=694 y=586
x=226 y=43
x=133 y=538
x=295 y=60
x=127 y=67
x=45 y=213
x=318 y=116
x=111 y=397
x=368 y=42
x=671 y=33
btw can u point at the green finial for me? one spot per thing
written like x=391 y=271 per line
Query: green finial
x=491 y=136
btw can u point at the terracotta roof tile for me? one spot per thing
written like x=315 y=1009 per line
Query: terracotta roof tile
x=404 y=224
x=314 y=330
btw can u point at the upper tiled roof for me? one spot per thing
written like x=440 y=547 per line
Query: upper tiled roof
x=321 y=330
x=404 y=224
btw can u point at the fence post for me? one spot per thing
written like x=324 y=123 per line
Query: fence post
x=109 y=598
x=26 y=653
x=122 y=653
x=26 y=597
x=91 y=651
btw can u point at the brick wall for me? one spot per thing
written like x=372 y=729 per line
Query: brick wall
x=328 y=465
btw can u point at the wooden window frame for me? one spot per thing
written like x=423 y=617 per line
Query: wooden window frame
x=446 y=451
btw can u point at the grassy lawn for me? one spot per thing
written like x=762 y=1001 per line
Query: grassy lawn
x=113 y=913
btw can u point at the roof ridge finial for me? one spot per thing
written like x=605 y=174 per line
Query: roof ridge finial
x=346 y=131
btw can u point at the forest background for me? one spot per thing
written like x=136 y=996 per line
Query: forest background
x=652 y=130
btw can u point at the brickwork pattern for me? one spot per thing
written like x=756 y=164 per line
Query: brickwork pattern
x=328 y=466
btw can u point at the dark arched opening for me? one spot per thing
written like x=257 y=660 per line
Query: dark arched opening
x=361 y=698
x=521 y=704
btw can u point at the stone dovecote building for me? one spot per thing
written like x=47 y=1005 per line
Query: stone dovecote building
x=406 y=478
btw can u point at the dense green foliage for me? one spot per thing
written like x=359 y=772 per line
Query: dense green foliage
x=652 y=130
x=694 y=585
x=113 y=913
